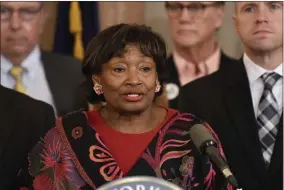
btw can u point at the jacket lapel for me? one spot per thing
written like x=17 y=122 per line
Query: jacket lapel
x=52 y=79
x=238 y=102
x=87 y=150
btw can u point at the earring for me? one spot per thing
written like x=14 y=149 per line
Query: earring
x=158 y=86
x=98 y=89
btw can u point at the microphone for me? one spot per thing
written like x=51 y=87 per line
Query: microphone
x=206 y=144
x=139 y=183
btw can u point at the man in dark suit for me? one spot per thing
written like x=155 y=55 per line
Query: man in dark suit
x=23 y=121
x=196 y=52
x=243 y=101
x=52 y=78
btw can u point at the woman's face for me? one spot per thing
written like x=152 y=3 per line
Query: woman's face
x=129 y=82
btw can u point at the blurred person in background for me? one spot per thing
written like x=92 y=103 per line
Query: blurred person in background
x=23 y=121
x=196 y=53
x=49 y=77
x=244 y=101
x=129 y=136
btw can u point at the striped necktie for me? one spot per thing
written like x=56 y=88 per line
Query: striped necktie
x=17 y=72
x=268 y=117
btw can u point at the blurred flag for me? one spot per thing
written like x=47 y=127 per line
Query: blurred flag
x=77 y=23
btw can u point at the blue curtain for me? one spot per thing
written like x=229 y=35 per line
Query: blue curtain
x=64 y=40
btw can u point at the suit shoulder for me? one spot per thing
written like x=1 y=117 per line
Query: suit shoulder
x=63 y=59
x=64 y=65
x=203 y=82
x=24 y=101
x=38 y=105
x=228 y=58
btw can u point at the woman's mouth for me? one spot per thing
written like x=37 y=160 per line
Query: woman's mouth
x=133 y=97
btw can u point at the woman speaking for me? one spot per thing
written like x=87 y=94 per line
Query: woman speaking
x=129 y=136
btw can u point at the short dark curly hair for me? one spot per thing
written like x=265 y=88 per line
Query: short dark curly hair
x=111 y=42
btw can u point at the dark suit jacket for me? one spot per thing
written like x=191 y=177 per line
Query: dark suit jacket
x=224 y=100
x=173 y=77
x=23 y=121
x=64 y=77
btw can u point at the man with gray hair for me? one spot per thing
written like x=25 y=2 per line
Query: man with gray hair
x=44 y=76
x=243 y=102
x=196 y=52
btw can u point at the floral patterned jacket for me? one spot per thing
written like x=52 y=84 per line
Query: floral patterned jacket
x=73 y=156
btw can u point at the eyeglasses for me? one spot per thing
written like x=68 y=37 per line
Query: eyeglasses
x=197 y=9
x=25 y=14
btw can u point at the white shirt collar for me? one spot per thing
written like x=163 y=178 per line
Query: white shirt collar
x=30 y=63
x=254 y=71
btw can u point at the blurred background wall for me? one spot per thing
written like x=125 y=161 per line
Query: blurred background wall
x=149 y=13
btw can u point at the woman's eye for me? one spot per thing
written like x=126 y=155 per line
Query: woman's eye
x=145 y=69
x=119 y=69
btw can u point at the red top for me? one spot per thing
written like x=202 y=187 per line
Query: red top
x=125 y=148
